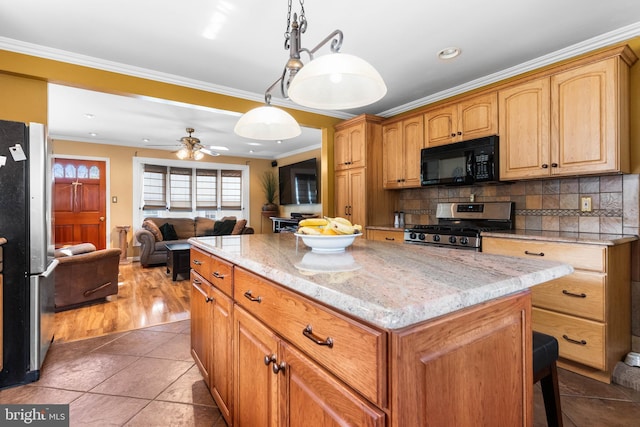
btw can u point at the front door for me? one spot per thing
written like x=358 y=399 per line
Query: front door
x=79 y=202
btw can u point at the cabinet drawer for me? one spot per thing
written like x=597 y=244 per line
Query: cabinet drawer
x=579 y=340
x=221 y=275
x=586 y=257
x=200 y=262
x=579 y=294
x=386 y=235
x=357 y=353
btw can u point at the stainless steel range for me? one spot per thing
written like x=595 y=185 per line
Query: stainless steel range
x=460 y=224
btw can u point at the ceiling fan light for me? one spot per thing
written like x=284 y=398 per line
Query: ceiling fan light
x=337 y=81
x=267 y=123
x=182 y=153
x=197 y=155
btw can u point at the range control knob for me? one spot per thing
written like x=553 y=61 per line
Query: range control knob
x=452 y=239
x=464 y=241
x=412 y=236
x=421 y=236
x=436 y=238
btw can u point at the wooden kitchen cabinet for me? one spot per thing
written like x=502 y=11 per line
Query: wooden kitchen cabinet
x=589 y=311
x=212 y=326
x=401 y=145
x=349 y=147
x=359 y=192
x=394 y=236
x=276 y=384
x=469 y=118
x=201 y=324
x=571 y=122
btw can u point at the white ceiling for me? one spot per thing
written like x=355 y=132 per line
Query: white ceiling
x=244 y=53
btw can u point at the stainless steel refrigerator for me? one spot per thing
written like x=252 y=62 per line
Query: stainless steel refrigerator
x=28 y=261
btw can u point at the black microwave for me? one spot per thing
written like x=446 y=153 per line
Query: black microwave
x=461 y=163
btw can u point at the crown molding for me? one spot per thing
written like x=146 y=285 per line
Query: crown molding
x=39 y=51
x=607 y=39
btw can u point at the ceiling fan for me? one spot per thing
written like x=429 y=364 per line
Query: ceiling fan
x=192 y=149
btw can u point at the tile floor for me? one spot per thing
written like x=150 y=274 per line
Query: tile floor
x=146 y=377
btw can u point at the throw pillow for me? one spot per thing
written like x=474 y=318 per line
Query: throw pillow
x=237 y=229
x=223 y=228
x=168 y=232
x=153 y=228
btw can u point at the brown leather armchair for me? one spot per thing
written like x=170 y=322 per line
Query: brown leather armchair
x=84 y=275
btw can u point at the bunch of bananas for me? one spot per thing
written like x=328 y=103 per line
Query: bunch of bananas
x=328 y=226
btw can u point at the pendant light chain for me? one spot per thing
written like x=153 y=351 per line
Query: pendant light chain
x=303 y=24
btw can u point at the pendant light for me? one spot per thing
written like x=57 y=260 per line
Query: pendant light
x=334 y=81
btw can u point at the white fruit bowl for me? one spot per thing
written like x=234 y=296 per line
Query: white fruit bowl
x=328 y=243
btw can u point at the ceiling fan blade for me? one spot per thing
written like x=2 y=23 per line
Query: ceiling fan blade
x=209 y=152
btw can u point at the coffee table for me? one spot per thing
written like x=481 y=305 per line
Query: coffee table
x=178 y=259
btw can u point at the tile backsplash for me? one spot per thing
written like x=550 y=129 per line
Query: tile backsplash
x=549 y=204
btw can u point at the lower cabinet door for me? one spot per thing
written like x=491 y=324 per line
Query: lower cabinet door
x=311 y=397
x=255 y=385
x=201 y=324
x=221 y=370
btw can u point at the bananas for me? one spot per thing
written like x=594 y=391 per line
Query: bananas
x=328 y=226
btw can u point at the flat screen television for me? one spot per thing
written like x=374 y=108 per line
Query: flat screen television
x=298 y=183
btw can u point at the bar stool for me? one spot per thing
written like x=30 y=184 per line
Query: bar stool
x=545 y=355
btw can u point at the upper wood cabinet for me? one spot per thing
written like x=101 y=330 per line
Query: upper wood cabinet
x=572 y=122
x=468 y=118
x=349 y=147
x=401 y=145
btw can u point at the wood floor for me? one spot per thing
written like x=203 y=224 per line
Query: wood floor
x=146 y=297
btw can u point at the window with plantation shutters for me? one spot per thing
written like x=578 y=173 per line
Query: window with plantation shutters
x=180 y=189
x=206 y=189
x=154 y=187
x=231 y=189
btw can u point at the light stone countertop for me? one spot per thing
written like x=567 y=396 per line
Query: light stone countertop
x=564 y=237
x=387 y=285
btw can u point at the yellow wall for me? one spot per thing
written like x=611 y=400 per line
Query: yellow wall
x=634 y=108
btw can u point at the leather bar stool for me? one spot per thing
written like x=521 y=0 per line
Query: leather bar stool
x=545 y=355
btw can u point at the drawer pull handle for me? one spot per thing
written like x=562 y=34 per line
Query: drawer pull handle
x=390 y=238
x=196 y=262
x=571 y=294
x=581 y=342
x=308 y=332
x=250 y=297
x=534 y=253
x=196 y=284
x=217 y=275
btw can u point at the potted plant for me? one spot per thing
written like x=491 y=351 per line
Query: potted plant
x=270 y=188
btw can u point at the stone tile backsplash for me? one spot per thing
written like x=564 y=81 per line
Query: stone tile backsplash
x=549 y=204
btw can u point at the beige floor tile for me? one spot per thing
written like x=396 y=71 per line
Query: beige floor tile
x=100 y=410
x=175 y=414
x=177 y=348
x=146 y=378
x=37 y=395
x=189 y=388
x=181 y=327
x=85 y=371
x=136 y=343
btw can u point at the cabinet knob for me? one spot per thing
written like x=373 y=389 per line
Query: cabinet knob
x=270 y=358
x=554 y=165
x=277 y=368
x=452 y=135
x=459 y=133
x=545 y=166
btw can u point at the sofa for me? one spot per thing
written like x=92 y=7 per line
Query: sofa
x=155 y=233
x=85 y=275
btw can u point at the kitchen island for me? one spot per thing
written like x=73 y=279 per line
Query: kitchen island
x=380 y=335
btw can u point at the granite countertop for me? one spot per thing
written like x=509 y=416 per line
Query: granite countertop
x=388 y=227
x=390 y=286
x=564 y=236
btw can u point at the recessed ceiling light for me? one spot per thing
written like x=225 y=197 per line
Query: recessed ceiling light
x=251 y=151
x=145 y=140
x=278 y=142
x=449 y=53
x=93 y=134
x=89 y=116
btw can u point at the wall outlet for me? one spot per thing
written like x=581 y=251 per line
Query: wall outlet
x=585 y=204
